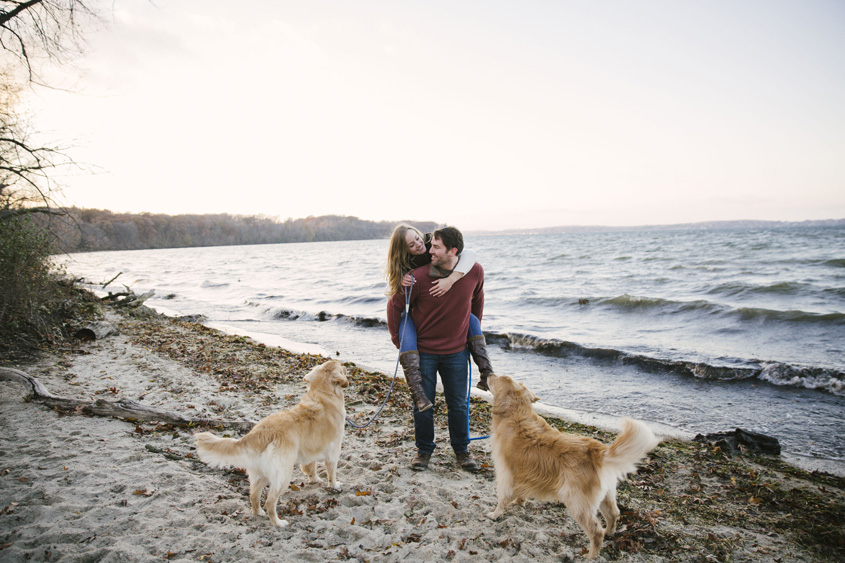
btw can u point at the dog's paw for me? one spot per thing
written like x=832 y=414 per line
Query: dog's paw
x=493 y=515
x=336 y=486
x=274 y=521
x=260 y=512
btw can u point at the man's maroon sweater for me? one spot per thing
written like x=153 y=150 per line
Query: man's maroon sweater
x=442 y=322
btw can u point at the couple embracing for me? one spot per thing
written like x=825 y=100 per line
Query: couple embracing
x=446 y=304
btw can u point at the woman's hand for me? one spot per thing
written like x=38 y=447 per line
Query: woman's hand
x=407 y=280
x=440 y=287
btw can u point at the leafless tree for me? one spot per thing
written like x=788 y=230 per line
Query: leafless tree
x=34 y=29
x=25 y=182
x=32 y=32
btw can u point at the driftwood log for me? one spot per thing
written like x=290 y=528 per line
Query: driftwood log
x=128 y=298
x=131 y=300
x=123 y=408
x=96 y=331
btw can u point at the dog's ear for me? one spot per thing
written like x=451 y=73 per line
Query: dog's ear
x=309 y=377
x=491 y=382
x=527 y=393
x=340 y=377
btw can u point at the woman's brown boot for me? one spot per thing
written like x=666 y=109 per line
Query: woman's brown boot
x=411 y=366
x=478 y=349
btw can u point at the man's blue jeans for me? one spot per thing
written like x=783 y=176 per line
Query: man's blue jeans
x=453 y=375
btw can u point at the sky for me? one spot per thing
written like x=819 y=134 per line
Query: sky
x=481 y=114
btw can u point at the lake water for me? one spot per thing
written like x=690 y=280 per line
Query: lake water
x=703 y=330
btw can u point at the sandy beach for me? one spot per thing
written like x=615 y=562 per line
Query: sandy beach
x=88 y=488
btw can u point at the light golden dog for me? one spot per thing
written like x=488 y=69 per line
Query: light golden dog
x=309 y=432
x=535 y=461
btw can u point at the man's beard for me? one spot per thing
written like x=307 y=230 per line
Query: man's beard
x=439 y=262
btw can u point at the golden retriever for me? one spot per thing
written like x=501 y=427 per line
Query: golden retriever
x=532 y=460
x=309 y=432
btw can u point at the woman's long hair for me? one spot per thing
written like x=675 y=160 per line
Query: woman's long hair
x=398 y=258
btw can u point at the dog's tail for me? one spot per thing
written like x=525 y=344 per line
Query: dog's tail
x=629 y=448
x=220 y=452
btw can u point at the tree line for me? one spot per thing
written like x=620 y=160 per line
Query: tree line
x=84 y=230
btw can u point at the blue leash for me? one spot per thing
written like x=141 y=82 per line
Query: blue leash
x=469 y=390
x=396 y=370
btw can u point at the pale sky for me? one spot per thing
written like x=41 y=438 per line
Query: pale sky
x=481 y=114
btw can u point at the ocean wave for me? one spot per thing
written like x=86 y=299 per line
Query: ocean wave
x=776 y=373
x=366 y=322
x=626 y=301
x=754 y=313
x=630 y=302
x=739 y=288
x=363 y=299
x=801 y=376
x=207 y=284
x=277 y=314
x=838 y=291
x=669 y=306
x=835 y=262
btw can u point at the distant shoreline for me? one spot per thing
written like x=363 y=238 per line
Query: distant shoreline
x=701 y=225
x=95 y=230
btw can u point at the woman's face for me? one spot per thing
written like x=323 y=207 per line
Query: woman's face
x=416 y=246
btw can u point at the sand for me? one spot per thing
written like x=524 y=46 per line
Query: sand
x=79 y=488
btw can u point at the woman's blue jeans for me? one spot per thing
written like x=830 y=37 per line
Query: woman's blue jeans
x=454 y=375
x=408 y=331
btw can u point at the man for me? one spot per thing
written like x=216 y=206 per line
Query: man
x=442 y=323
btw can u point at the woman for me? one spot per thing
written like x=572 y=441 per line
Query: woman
x=409 y=249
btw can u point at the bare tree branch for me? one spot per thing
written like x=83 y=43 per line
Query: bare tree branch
x=20 y=7
x=124 y=408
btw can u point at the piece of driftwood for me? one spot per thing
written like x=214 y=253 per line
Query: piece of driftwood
x=123 y=408
x=131 y=301
x=96 y=331
x=128 y=298
x=111 y=280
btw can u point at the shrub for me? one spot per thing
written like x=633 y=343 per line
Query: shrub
x=35 y=299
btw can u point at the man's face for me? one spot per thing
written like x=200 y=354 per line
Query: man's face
x=439 y=255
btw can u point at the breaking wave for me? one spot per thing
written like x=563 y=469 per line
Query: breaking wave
x=776 y=373
x=748 y=314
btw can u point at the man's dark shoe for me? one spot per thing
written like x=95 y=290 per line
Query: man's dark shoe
x=420 y=462
x=466 y=462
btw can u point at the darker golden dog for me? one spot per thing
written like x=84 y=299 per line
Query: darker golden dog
x=535 y=461
x=311 y=431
